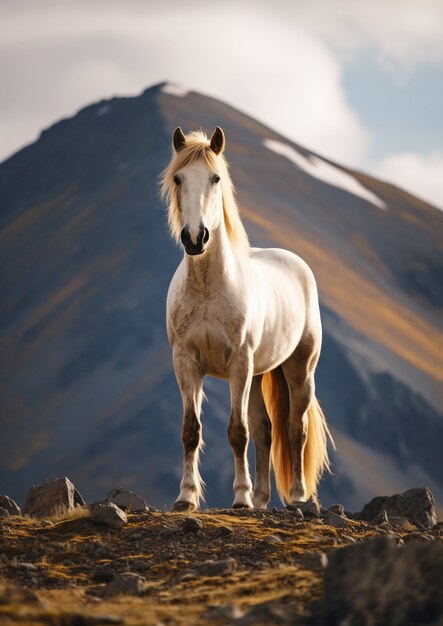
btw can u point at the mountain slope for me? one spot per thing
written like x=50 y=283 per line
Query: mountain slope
x=87 y=384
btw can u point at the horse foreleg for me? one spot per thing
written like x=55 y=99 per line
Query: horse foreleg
x=240 y=377
x=190 y=382
x=260 y=426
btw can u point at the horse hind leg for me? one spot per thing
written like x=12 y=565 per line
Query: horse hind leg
x=299 y=374
x=260 y=427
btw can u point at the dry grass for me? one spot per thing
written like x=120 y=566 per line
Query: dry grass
x=64 y=589
x=62 y=514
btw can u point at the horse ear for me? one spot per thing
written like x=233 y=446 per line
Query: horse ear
x=178 y=139
x=218 y=140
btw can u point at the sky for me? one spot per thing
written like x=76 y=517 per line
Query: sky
x=359 y=82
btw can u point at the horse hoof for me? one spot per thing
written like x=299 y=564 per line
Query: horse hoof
x=183 y=506
x=240 y=505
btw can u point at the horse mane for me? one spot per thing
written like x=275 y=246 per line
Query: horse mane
x=197 y=148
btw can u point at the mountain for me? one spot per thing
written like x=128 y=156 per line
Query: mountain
x=87 y=384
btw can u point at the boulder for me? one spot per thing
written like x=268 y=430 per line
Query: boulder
x=216 y=568
x=378 y=583
x=9 y=505
x=51 y=497
x=126 y=500
x=224 y=613
x=417 y=505
x=4 y=514
x=316 y=560
x=338 y=509
x=109 y=514
x=310 y=508
x=297 y=514
x=332 y=519
x=191 y=525
x=125 y=584
x=267 y=614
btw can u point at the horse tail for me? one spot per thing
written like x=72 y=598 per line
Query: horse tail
x=315 y=459
x=276 y=397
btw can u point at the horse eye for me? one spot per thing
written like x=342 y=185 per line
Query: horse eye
x=215 y=179
x=177 y=180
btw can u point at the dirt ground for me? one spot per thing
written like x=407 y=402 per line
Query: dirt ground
x=229 y=567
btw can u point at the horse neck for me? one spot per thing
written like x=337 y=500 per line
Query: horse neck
x=216 y=266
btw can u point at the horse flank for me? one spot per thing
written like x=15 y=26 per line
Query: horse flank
x=197 y=147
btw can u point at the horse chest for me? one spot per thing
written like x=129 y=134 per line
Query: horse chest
x=209 y=332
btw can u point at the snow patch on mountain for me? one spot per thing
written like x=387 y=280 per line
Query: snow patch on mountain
x=324 y=171
x=174 y=89
x=103 y=110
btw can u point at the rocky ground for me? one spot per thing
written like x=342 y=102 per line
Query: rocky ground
x=119 y=561
x=214 y=567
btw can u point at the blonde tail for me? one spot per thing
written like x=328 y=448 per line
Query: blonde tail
x=276 y=396
x=315 y=461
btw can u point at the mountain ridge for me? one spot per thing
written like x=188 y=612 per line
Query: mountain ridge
x=86 y=365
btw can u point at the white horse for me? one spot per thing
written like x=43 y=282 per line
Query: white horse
x=249 y=315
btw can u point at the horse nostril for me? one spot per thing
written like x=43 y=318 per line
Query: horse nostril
x=205 y=235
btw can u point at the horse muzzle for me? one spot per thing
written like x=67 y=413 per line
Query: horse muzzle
x=199 y=246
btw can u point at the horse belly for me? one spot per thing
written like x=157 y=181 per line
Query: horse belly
x=282 y=331
x=271 y=352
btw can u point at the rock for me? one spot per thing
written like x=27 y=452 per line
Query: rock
x=317 y=560
x=419 y=537
x=140 y=566
x=399 y=522
x=102 y=575
x=216 y=568
x=28 y=567
x=380 y=518
x=4 y=514
x=310 y=508
x=191 y=525
x=417 y=505
x=108 y=514
x=51 y=497
x=225 y=531
x=78 y=500
x=223 y=613
x=266 y=614
x=338 y=509
x=297 y=514
x=376 y=582
x=332 y=519
x=126 y=500
x=272 y=539
x=125 y=584
x=9 y=505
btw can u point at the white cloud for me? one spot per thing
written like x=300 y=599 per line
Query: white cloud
x=281 y=63
x=420 y=174
x=401 y=33
x=256 y=60
x=324 y=171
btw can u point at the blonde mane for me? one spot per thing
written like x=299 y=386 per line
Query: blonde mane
x=197 y=148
